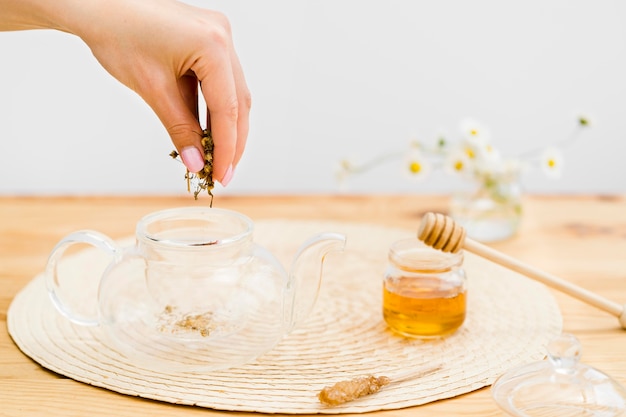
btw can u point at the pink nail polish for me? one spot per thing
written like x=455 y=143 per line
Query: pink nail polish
x=228 y=176
x=192 y=158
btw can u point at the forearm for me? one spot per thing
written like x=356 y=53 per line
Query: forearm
x=64 y=15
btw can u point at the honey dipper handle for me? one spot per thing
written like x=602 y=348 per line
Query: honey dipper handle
x=548 y=279
x=443 y=233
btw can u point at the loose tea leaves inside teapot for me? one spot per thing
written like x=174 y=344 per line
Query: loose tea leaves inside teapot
x=202 y=180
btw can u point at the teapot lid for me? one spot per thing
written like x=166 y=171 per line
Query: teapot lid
x=560 y=386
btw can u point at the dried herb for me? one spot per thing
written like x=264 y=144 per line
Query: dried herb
x=173 y=322
x=202 y=180
x=345 y=391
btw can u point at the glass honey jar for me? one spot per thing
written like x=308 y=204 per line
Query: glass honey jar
x=424 y=290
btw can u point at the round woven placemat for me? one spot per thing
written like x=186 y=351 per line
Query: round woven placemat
x=510 y=321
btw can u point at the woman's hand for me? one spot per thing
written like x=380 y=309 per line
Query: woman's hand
x=164 y=50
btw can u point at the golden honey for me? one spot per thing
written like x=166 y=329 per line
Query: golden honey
x=424 y=291
x=423 y=307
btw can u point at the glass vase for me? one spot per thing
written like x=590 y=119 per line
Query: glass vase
x=492 y=209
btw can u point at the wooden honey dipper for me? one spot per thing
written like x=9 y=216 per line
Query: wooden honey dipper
x=441 y=232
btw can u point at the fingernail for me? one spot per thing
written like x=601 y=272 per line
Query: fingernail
x=192 y=158
x=228 y=176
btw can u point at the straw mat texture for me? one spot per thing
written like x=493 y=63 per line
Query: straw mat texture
x=510 y=321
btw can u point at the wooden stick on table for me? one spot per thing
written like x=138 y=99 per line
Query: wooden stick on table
x=441 y=232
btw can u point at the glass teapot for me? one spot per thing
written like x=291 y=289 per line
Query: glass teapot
x=194 y=293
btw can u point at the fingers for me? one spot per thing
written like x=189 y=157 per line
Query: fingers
x=245 y=103
x=227 y=119
x=243 y=112
x=192 y=157
x=188 y=87
x=220 y=95
x=227 y=98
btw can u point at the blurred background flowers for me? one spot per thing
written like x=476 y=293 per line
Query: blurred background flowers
x=470 y=154
x=490 y=207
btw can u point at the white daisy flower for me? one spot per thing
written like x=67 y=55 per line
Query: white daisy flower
x=417 y=166
x=552 y=162
x=474 y=132
x=458 y=162
x=489 y=161
x=486 y=152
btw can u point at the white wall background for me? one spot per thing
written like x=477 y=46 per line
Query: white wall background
x=330 y=79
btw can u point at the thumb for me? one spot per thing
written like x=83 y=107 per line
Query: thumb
x=186 y=139
x=182 y=125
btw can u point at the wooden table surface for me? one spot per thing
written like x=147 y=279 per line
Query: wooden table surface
x=580 y=238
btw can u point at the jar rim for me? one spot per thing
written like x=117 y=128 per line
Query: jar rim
x=415 y=255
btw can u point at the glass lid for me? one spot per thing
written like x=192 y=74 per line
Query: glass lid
x=560 y=386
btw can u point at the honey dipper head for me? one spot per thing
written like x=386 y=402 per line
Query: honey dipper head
x=441 y=232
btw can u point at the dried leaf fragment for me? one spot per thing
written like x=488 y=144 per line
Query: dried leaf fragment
x=345 y=391
x=201 y=323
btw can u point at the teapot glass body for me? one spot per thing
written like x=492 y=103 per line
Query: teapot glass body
x=194 y=293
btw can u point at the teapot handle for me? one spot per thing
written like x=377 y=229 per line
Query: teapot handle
x=59 y=294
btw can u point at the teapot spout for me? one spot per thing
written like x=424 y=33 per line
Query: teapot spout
x=305 y=276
